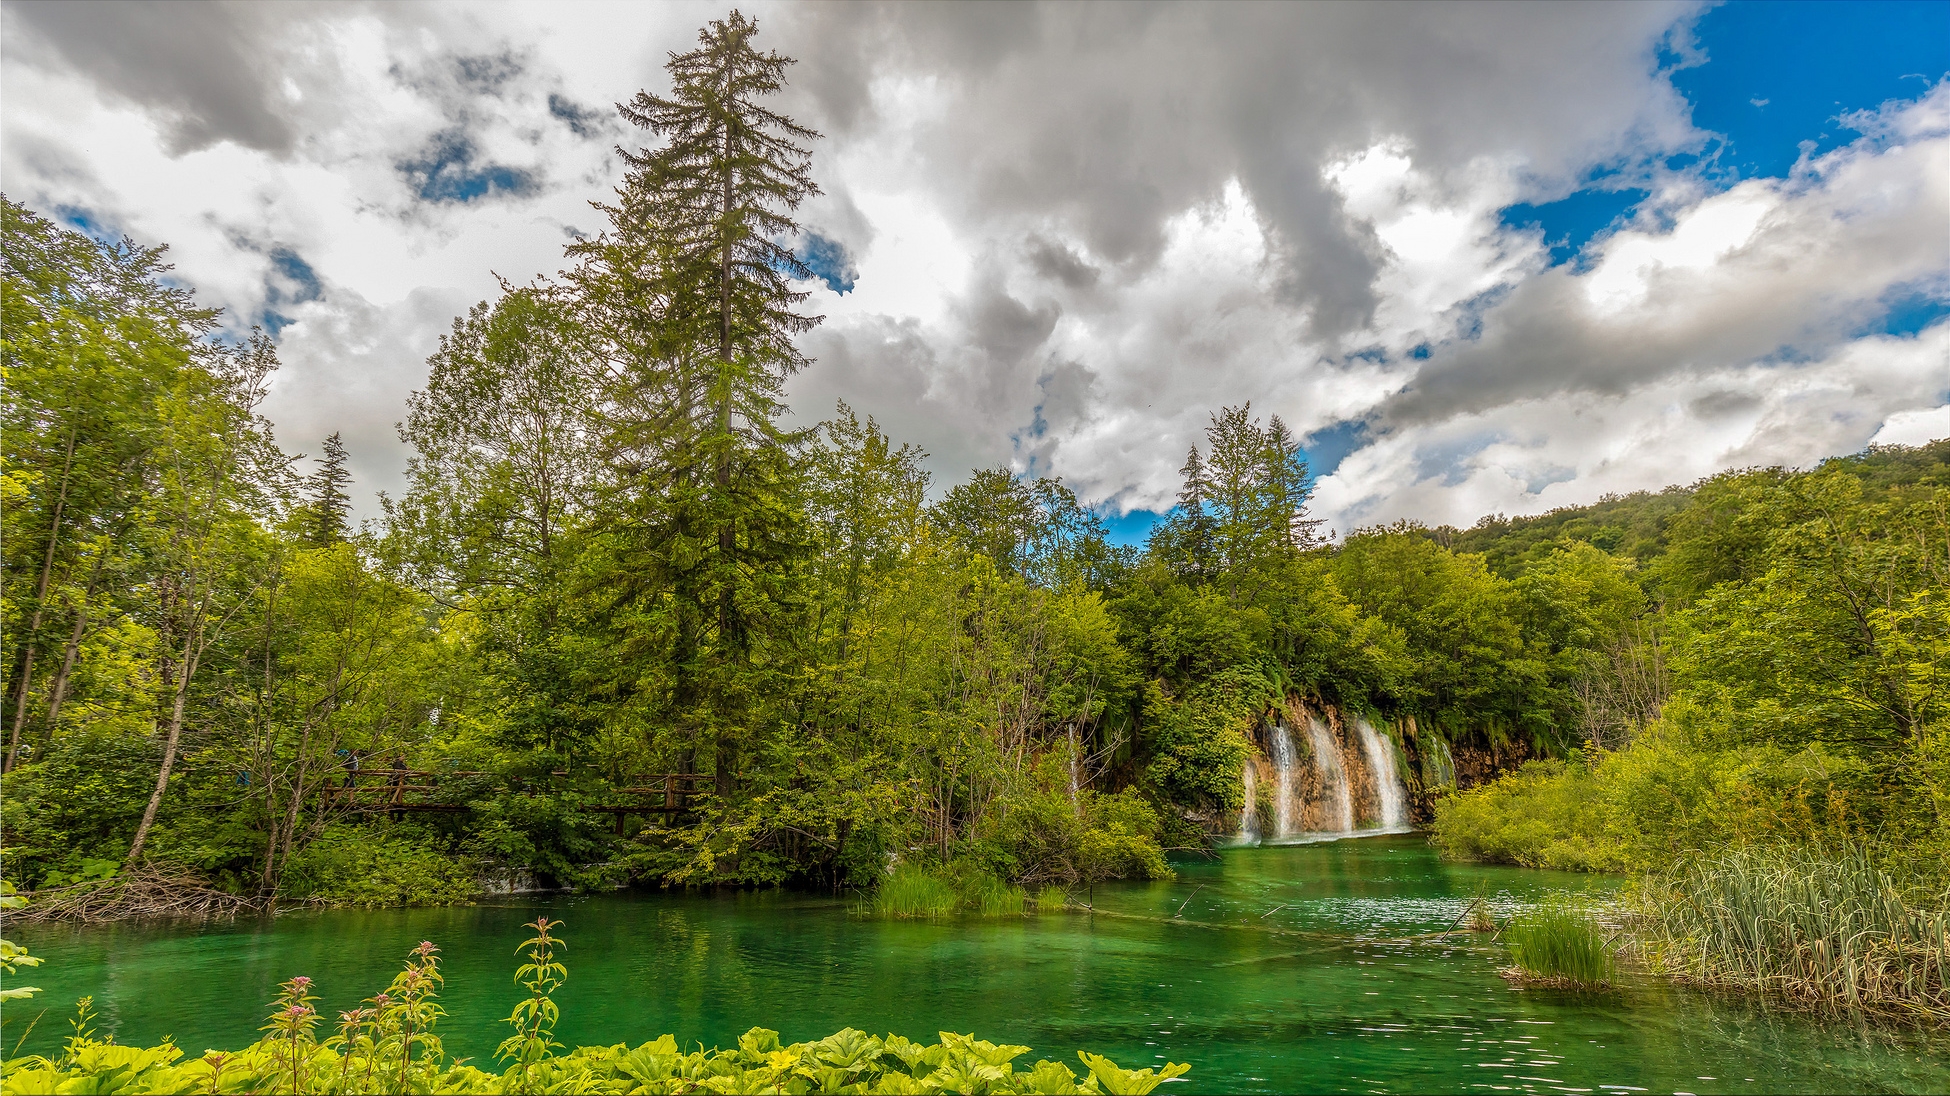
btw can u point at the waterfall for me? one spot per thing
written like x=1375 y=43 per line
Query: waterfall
x=1249 y=814
x=1387 y=784
x=1282 y=742
x=1338 y=810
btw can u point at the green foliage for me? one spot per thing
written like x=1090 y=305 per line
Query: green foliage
x=1548 y=814
x=1560 y=943
x=1050 y=834
x=372 y=866
x=1648 y=805
x=388 y=1045
x=1199 y=743
x=13 y=957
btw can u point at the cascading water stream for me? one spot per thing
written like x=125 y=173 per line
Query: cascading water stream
x=1387 y=783
x=1283 y=759
x=1338 y=810
x=1249 y=815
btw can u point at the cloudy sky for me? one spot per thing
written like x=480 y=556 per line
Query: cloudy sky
x=1484 y=258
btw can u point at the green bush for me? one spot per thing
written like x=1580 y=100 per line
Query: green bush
x=1048 y=835
x=1650 y=804
x=1561 y=944
x=369 y=867
x=1548 y=814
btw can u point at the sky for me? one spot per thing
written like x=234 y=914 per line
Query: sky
x=1482 y=258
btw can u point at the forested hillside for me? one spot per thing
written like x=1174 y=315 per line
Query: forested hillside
x=615 y=563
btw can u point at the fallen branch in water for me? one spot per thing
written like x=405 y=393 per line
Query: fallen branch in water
x=1188 y=900
x=152 y=890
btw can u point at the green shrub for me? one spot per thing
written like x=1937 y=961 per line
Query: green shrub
x=1046 y=835
x=369 y=867
x=1548 y=814
x=1561 y=944
x=1648 y=805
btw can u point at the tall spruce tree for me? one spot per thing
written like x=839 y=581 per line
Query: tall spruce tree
x=324 y=520
x=695 y=293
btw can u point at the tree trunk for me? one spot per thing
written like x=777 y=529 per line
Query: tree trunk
x=58 y=692
x=40 y=603
x=188 y=670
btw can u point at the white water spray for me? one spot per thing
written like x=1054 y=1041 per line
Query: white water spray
x=1387 y=784
x=1338 y=810
x=1249 y=815
x=1283 y=758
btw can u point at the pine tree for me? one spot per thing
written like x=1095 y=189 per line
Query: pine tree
x=1188 y=536
x=696 y=293
x=1286 y=488
x=323 y=522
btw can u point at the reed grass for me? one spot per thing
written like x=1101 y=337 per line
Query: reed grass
x=911 y=891
x=1831 y=930
x=1560 y=944
x=991 y=897
x=1052 y=899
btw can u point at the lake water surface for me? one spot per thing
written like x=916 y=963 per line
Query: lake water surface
x=1299 y=968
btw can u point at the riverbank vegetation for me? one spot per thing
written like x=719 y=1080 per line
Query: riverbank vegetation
x=1766 y=743
x=390 y=1043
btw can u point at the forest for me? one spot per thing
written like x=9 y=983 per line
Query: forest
x=619 y=578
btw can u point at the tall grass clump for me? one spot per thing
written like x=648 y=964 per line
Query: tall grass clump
x=1830 y=930
x=917 y=891
x=912 y=891
x=1560 y=944
x=991 y=897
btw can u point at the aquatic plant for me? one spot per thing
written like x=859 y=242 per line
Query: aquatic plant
x=1052 y=899
x=372 y=1053
x=1831 y=930
x=912 y=891
x=1558 y=943
x=991 y=897
x=916 y=891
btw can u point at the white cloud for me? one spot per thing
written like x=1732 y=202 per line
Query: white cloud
x=1914 y=427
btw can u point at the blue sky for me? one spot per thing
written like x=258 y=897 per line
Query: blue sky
x=1775 y=76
